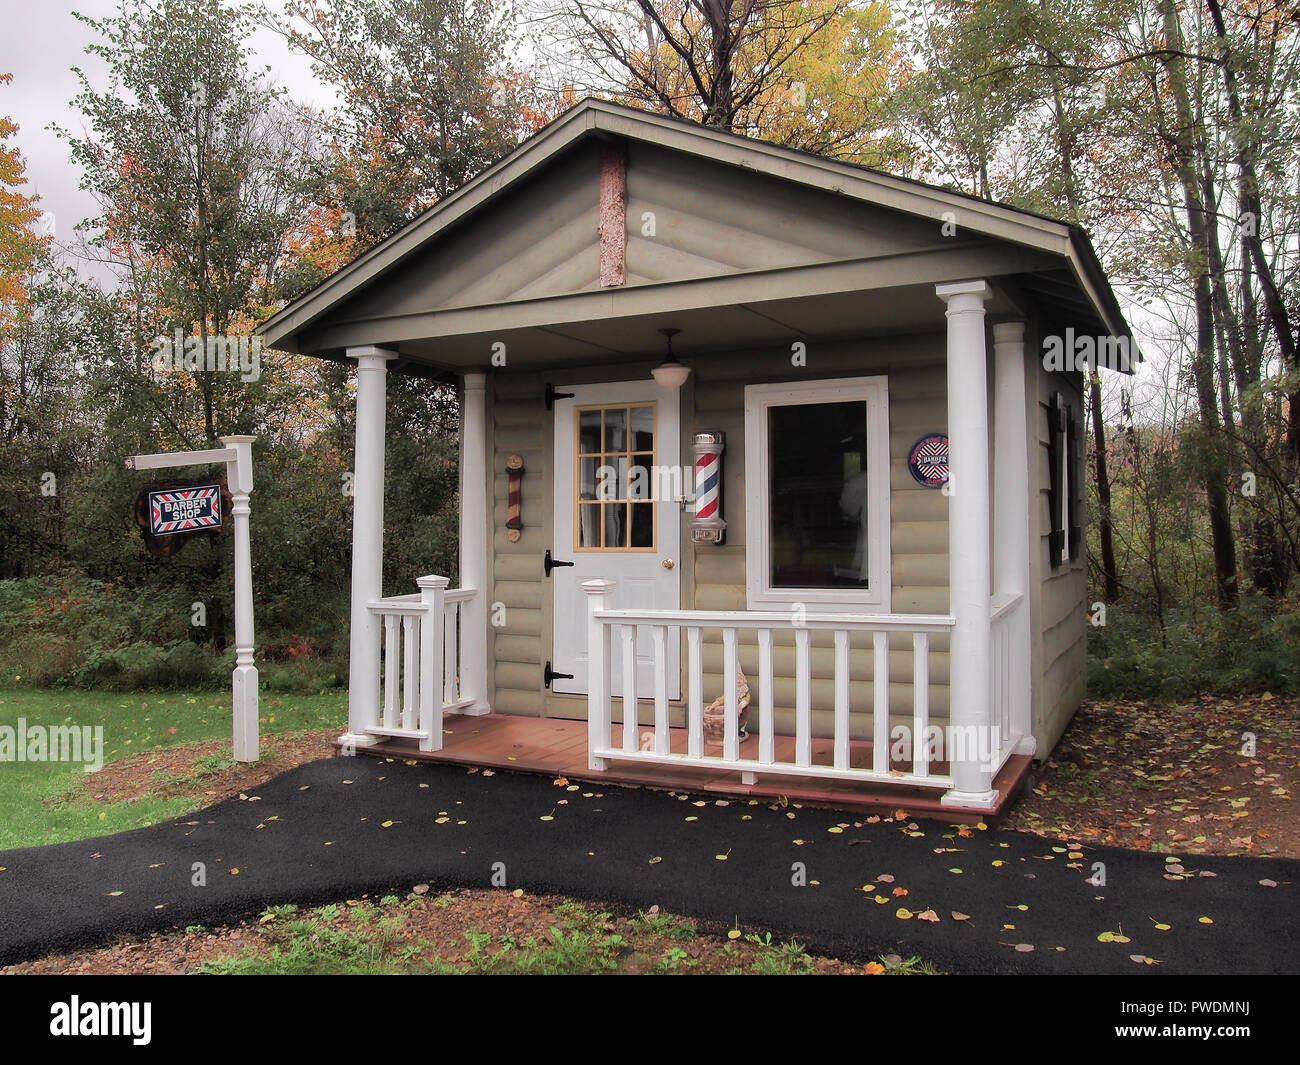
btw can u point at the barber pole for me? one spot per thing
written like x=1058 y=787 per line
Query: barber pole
x=707 y=527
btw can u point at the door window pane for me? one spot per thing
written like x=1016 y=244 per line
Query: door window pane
x=615 y=457
x=589 y=432
x=642 y=424
x=643 y=525
x=615 y=429
x=615 y=524
x=818 y=495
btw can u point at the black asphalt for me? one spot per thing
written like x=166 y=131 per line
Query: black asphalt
x=342 y=827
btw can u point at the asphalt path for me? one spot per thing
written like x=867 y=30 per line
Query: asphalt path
x=1003 y=902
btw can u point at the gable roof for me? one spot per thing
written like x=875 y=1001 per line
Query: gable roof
x=1078 y=285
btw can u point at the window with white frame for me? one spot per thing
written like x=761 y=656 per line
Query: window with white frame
x=817 y=495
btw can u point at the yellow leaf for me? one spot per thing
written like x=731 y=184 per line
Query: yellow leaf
x=655 y=861
x=734 y=934
x=1204 y=920
x=903 y=913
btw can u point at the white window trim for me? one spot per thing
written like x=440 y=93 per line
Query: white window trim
x=760 y=594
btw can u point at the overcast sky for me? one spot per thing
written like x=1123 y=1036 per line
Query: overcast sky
x=40 y=44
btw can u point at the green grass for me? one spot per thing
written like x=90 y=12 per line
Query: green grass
x=42 y=801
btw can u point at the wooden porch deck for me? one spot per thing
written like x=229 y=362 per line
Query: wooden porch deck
x=558 y=747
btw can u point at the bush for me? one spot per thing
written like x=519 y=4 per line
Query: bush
x=1254 y=647
x=72 y=631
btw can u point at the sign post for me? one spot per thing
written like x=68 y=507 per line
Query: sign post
x=197 y=508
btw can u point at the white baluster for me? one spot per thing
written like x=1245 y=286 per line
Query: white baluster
x=802 y=699
x=766 y=717
x=731 y=710
x=695 y=712
x=628 y=636
x=410 y=675
x=841 y=699
x=880 y=702
x=392 y=669
x=659 y=636
x=449 y=656
x=920 y=702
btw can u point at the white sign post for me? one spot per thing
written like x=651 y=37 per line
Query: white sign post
x=238 y=457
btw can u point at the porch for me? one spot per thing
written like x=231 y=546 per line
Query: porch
x=557 y=747
x=827 y=718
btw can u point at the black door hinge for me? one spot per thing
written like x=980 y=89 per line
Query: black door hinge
x=549 y=563
x=548 y=675
x=552 y=396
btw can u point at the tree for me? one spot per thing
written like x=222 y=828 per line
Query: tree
x=718 y=62
x=428 y=98
x=195 y=163
x=20 y=245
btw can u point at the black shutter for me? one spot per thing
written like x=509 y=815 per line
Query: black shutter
x=1055 y=443
x=1075 y=467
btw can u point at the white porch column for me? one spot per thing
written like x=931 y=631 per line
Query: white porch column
x=475 y=542
x=969 y=575
x=1011 y=514
x=239 y=477
x=367 y=544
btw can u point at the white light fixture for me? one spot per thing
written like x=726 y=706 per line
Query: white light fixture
x=670 y=373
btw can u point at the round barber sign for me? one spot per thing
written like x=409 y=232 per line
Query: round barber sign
x=928 y=460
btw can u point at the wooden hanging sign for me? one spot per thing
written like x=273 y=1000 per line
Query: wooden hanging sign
x=170 y=513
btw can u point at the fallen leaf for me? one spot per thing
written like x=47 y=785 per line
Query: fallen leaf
x=903 y=913
x=928 y=915
x=957 y=915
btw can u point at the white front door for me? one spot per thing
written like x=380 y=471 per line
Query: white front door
x=617 y=447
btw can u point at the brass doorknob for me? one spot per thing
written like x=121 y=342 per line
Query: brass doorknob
x=668 y=563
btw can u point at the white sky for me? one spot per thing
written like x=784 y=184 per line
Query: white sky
x=39 y=46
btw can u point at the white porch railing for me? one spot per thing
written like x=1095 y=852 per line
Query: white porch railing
x=420 y=663
x=1004 y=691
x=608 y=627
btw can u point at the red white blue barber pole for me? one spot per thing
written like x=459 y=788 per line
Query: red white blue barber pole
x=707 y=527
